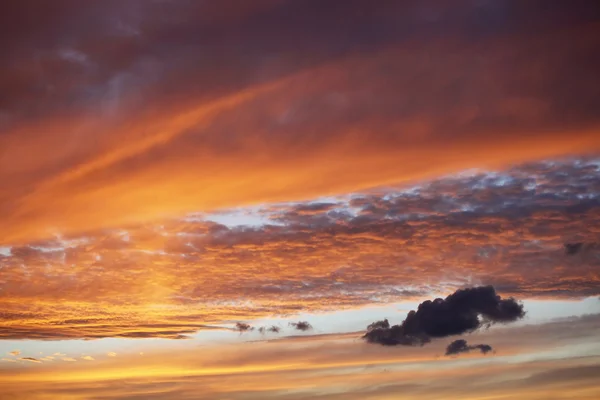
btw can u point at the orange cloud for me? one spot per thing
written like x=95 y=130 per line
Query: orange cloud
x=158 y=280
x=397 y=110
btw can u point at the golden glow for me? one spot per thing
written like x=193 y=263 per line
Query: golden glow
x=327 y=364
x=245 y=148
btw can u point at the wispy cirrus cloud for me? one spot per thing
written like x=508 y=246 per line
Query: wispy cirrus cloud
x=31 y=359
x=96 y=136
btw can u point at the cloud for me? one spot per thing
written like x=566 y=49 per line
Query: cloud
x=15 y=353
x=461 y=346
x=111 y=354
x=330 y=367
x=88 y=127
x=386 y=245
x=243 y=327
x=576 y=248
x=9 y=360
x=384 y=324
x=466 y=310
x=31 y=359
x=87 y=358
x=69 y=359
x=272 y=329
x=301 y=325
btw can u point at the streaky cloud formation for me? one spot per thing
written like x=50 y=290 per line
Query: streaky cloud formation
x=113 y=114
x=206 y=177
x=461 y=346
x=466 y=310
x=31 y=359
x=548 y=361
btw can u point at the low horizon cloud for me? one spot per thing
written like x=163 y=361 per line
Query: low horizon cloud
x=461 y=346
x=466 y=310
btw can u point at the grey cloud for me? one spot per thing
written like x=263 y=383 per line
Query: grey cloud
x=272 y=329
x=243 y=327
x=461 y=346
x=301 y=325
x=466 y=310
x=579 y=247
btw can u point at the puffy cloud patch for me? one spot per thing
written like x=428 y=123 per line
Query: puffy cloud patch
x=466 y=310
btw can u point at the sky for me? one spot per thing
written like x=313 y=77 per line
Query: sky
x=296 y=199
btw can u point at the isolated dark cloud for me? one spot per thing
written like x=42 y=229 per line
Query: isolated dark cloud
x=243 y=327
x=301 y=325
x=579 y=247
x=464 y=311
x=461 y=346
x=272 y=329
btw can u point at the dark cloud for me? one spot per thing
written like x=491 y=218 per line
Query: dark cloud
x=461 y=346
x=579 y=247
x=243 y=327
x=464 y=311
x=301 y=325
x=272 y=329
x=573 y=248
x=383 y=324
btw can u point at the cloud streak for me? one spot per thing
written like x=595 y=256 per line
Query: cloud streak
x=87 y=137
x=550 y=358
x=31 y=359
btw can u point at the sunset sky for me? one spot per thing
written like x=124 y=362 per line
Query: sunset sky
x=245 y=199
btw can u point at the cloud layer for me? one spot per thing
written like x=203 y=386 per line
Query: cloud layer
x=505 y=229
x=546 y=361
x=114 y=113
